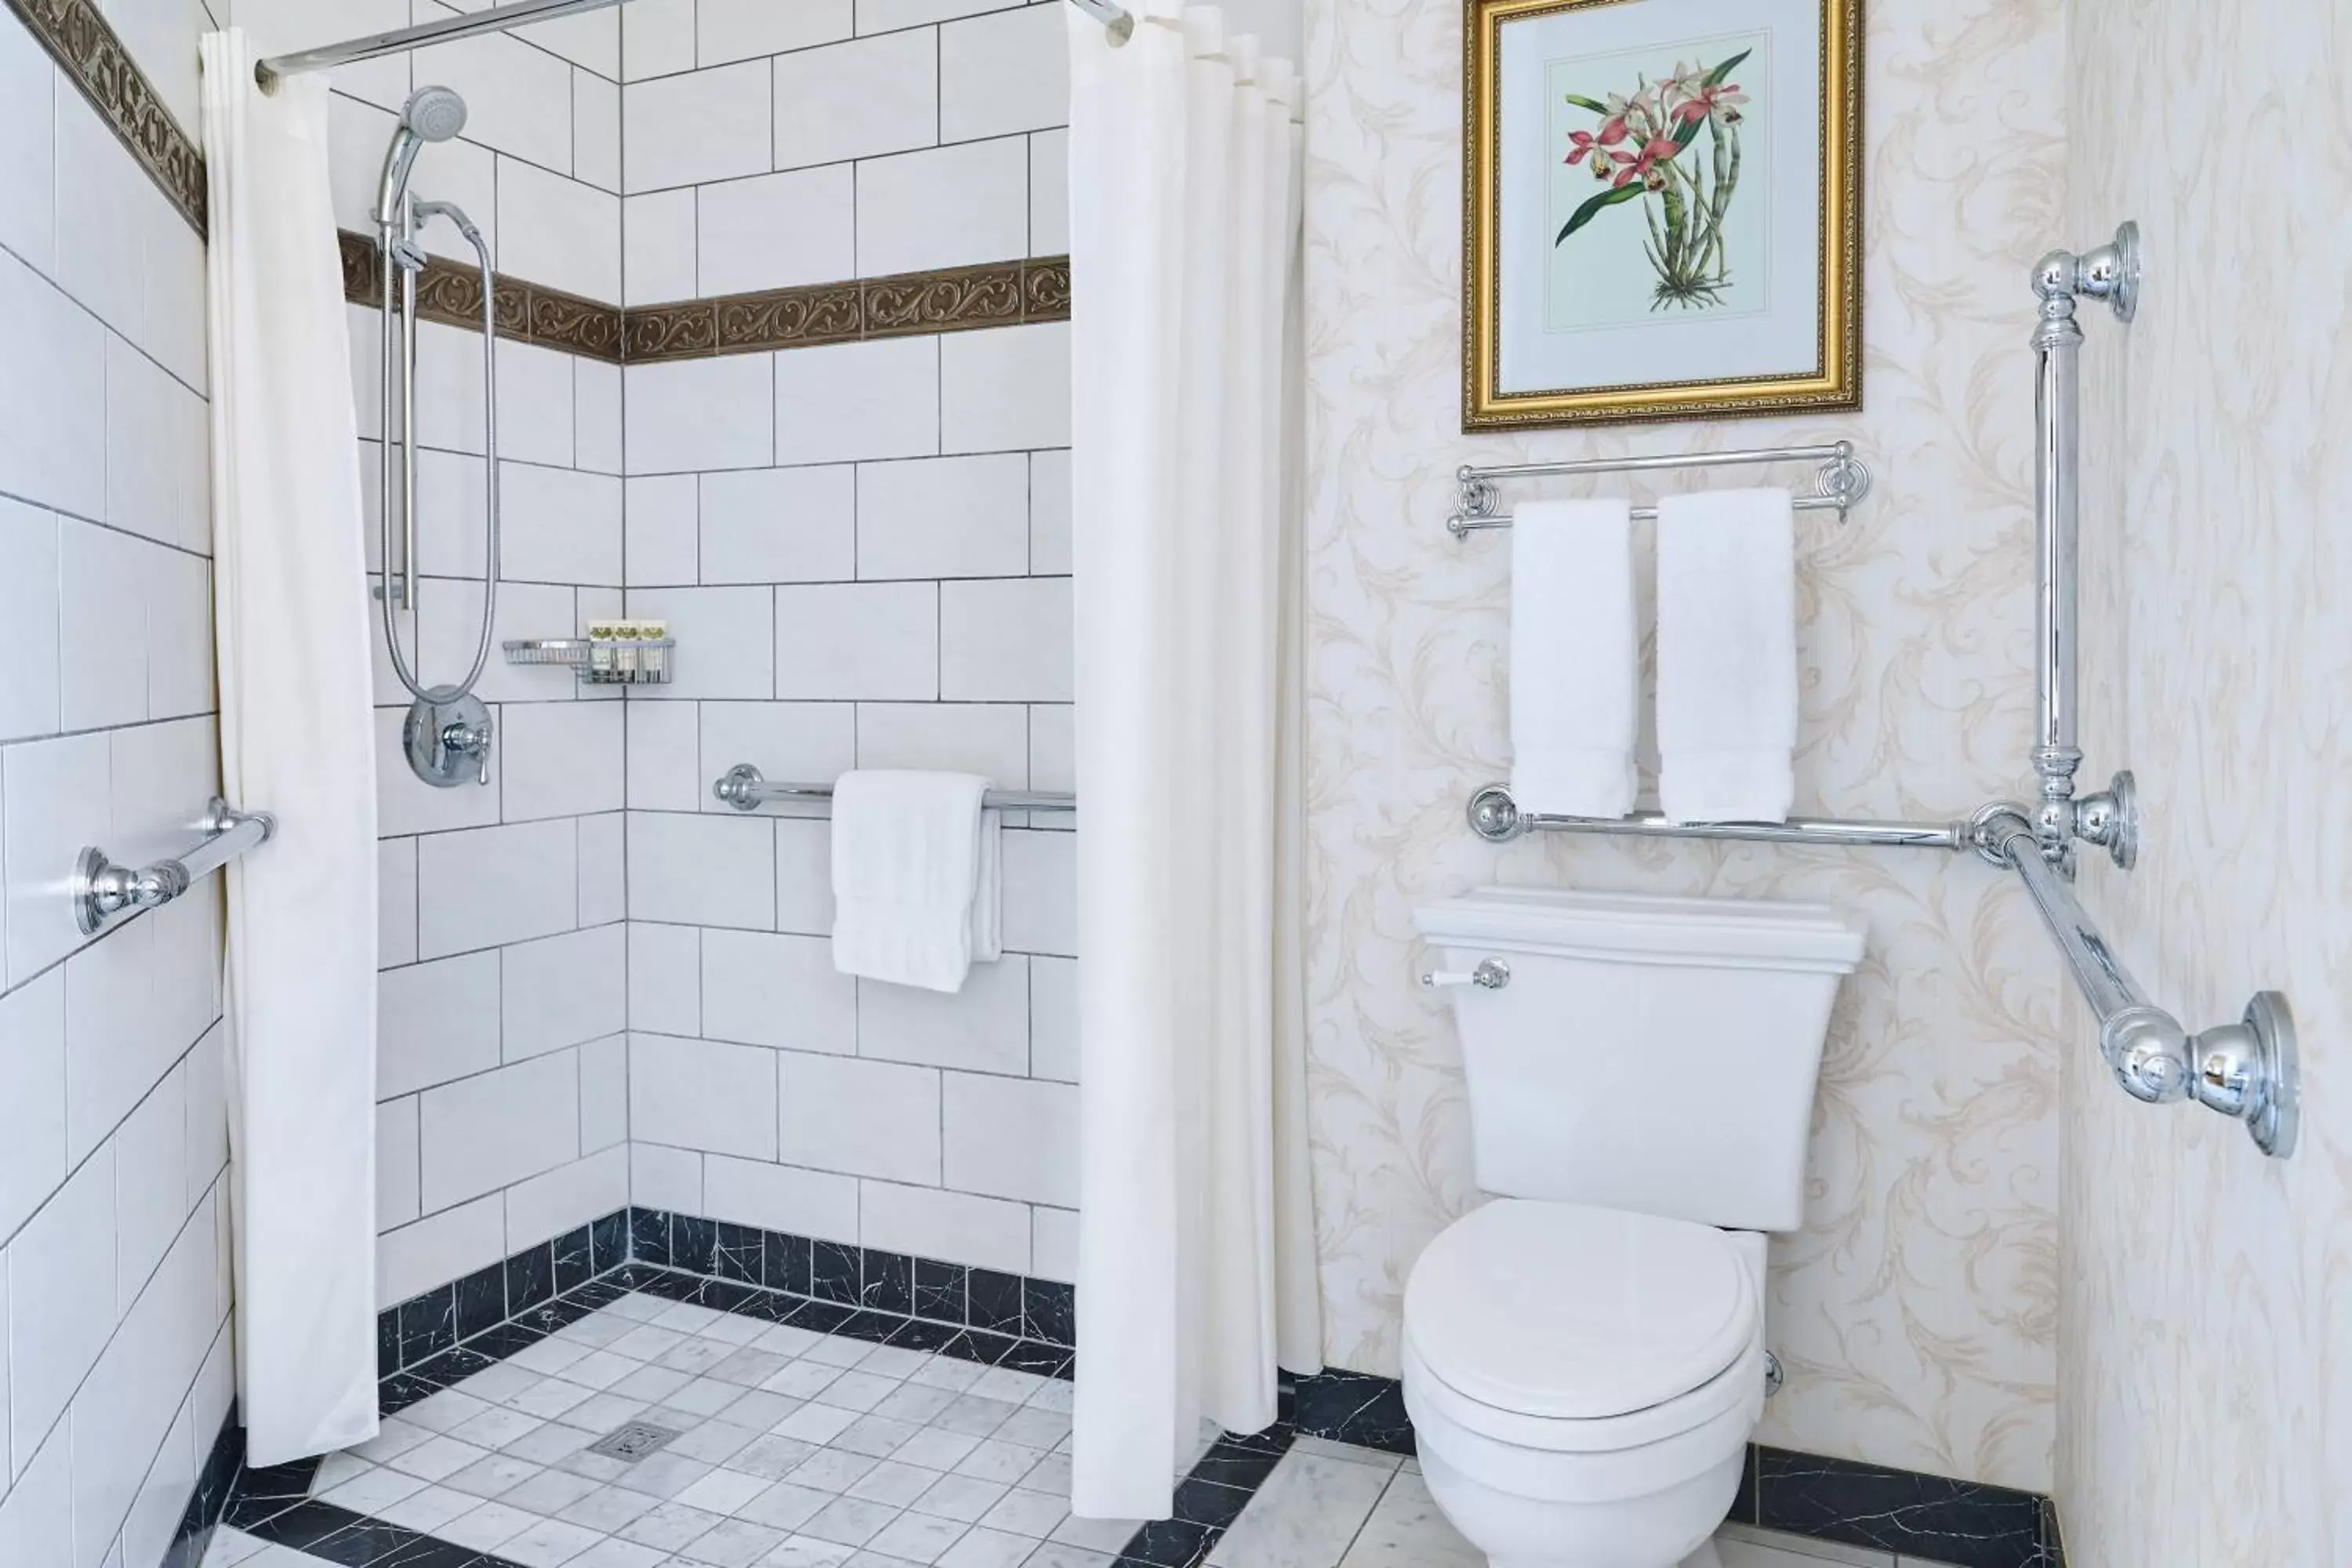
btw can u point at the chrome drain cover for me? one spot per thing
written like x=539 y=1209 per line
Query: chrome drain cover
x=634 y=1441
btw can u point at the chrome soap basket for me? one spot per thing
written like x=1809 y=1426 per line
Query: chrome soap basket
x=613 y=653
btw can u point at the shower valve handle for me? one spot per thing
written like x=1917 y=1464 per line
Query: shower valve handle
x=470 y=740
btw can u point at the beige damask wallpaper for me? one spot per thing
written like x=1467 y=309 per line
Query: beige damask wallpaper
x=2206 y=1315
x=1916 y=1312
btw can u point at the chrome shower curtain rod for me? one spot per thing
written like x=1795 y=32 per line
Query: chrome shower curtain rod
x=517 y=14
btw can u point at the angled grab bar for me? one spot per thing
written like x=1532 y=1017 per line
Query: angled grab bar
x=2248 y=1071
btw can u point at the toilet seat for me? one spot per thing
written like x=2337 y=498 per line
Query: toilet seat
x=1563 y=1327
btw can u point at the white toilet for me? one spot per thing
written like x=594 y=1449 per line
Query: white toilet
x=1584 y=1358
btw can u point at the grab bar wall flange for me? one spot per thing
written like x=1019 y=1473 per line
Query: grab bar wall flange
x=102 y=889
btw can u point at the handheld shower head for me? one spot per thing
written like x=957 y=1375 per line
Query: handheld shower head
x=434 y=113
x=431 y=114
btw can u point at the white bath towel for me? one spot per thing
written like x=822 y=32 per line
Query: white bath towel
x=916 y=877
x=1727 y=655
x=1576 y=697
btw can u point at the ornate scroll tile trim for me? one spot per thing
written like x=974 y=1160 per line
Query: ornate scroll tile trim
x=948 y=299
x=527 y=313
x=88 y=51
x=945 y=300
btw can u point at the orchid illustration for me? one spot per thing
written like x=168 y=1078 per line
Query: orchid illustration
x=1641 y=148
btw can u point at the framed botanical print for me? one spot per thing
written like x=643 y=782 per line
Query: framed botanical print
x=1661 y=209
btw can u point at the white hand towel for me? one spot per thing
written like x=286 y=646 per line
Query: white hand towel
x=1576 y=697
x=1727 y=655
x=916 y=877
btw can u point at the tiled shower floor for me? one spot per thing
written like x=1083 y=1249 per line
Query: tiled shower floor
x=797 y=1449
x=793 y=1449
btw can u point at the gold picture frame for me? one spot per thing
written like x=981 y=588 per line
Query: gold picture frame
x=1830 y=313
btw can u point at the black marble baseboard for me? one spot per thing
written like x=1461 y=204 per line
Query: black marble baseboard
x=893 y=1282
x=214 y=1481
x=425 y=1325
x=1905 y=1511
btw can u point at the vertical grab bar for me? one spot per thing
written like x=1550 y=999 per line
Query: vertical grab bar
x=2111 y=273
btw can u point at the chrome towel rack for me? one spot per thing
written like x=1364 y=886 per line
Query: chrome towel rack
x=102 y=889
x=742 y=787
x=1841 y=483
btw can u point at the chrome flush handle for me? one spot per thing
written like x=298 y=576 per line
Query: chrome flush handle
x=1492 y=974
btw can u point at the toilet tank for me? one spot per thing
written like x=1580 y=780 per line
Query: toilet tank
x=1650 y=1054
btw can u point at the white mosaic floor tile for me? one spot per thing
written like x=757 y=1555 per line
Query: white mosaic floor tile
x=671 y=1526
x=793 y=1449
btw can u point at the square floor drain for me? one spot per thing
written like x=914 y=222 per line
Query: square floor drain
x=633 y=1442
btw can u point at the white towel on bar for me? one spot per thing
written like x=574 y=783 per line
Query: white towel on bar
x=1576 y=697
x=1727 y=655
x=917 y=876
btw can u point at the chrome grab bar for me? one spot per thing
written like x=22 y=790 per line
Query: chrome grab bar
x=2110 y=272
x=1496 y=817
x=2248 y=1071
x=102 y=889
x=743 y=787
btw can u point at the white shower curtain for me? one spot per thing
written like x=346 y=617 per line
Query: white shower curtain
x=1196 y=1269
x=297 y=738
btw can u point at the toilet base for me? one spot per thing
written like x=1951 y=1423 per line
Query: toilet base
x=1666 y=1528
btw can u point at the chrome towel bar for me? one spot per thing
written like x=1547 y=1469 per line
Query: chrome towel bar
x=102 y=889
x=1496 y=817
x=742 y=787
x=1841 y=483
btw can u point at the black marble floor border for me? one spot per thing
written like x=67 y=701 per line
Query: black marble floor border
x=214 y=1481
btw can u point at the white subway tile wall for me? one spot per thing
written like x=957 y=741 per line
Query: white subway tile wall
x=115 y=1358
x=864 y=552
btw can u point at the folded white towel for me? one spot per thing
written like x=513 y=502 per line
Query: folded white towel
x=916 y=877
x=1576 y=694
x=1727 y=655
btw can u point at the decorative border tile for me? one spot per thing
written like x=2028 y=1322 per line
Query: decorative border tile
x=451 y=293
x=947 y=299
x=80 y=40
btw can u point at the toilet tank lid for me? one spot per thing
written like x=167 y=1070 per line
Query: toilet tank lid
x=1636 y=928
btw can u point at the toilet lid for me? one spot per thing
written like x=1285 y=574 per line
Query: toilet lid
x=1579 y=1313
